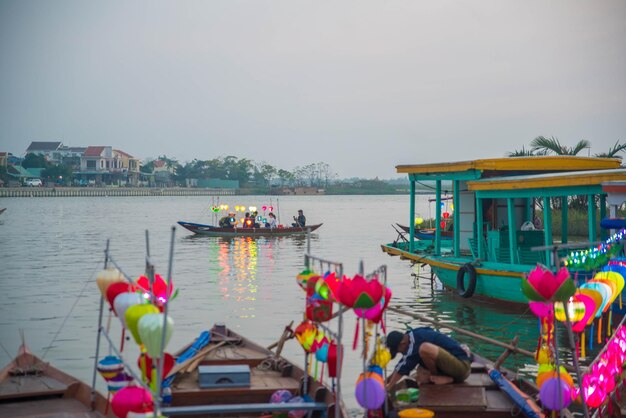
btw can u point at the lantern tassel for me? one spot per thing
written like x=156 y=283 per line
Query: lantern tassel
x=356 y=335
x=582 y=344
x=609 y=327
x=123 y=338
x=600 y=330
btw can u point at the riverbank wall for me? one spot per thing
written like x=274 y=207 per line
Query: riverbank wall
x=110 y=192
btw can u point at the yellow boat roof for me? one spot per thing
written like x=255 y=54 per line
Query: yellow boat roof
x=537 y=164
x=550 y=180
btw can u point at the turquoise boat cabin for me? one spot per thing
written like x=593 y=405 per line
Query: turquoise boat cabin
x=496 y=227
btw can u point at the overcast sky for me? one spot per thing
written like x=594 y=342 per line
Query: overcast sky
x=362 y=85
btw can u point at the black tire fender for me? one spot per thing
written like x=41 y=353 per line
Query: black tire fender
x=466 y=292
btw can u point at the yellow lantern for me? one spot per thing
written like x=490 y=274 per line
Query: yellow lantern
x=419 y=221
x=575 y=310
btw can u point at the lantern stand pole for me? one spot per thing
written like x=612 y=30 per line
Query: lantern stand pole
x=381 y=271
x=126 y=276
x=364 y=341
x=570 y=335
x=95 y=361
x=166 y=304
x=338 y=268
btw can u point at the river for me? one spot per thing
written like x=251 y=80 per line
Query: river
x=51 y=249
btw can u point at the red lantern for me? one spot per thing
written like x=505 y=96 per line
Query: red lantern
x=442 y=224
x=168 y=363
x=318 y=309
x=359 y=293
x=446 y=215
x=117 y=288
x=332 y=359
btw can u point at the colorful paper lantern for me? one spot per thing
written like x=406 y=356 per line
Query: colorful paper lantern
x=107 y=277
x=159 y=292
x=149 y=364
x=118 y=382
x=151 y=331
x=280 y=396
x=109 y=367
x=375 y=313
x=333 y=359
x=131 y=399
x=123 y=301
x=134 y=314
x=360 y=293
x=555 y=394
x=318 y=309
x=117 y=288
x=370 y=391
x=543 y=285
x=304 y=276
x=296 y=413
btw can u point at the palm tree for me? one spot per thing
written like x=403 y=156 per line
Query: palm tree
x=526 y=153
x=552 y=144
x=613 y=151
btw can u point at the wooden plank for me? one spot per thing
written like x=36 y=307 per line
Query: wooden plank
x=450 y=397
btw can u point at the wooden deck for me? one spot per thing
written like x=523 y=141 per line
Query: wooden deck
x=32 y=388
x=478 y=396
x=267 y=375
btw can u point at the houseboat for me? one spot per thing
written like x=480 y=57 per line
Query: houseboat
x=496 y=230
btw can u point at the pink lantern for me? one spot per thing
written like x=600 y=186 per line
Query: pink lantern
x=555 y=394
x=360 y=293
x=375 y=313
x=590 y=309
x=159 y=289
x=542 y=309
x=593 y=392
x=131 y=399
x=543 y=285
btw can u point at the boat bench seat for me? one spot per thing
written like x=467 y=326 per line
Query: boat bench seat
x=243 y=408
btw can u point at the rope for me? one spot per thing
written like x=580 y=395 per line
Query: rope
x=90 y=280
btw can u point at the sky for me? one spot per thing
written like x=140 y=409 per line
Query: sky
x=361 y=85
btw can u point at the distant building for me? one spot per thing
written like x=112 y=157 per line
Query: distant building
x=4 y=157
x=105 y=165
x=49 y=149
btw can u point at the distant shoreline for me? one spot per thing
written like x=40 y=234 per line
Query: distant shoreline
x=148 y=191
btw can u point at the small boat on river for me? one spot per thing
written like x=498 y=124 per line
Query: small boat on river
x=30 y=387
x=426 y=233
x=216 y=231
x=233 y=375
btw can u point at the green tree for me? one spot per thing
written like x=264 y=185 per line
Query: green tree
x=612 y=153
x=552 y=145
x=60 y=174
x=34 y=161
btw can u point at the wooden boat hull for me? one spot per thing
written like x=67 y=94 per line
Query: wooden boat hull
x=267 y=375
x=213 y=231
x=494 y=281
x=43 y=390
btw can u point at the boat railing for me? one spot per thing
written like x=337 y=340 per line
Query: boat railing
x=243 y=408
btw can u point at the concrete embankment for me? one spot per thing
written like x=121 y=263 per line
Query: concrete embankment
x=109 y=192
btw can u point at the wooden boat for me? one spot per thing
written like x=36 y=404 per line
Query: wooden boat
x=2 y=210
x=493 y=200
x=479 y=395
x=268 y=373
x=426 y=233
x=30 y=387
x=215 y=231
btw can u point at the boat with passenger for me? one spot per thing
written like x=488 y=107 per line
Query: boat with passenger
x=216 y=231
x=496 y=200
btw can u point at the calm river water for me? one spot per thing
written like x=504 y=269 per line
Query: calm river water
x=51 y=249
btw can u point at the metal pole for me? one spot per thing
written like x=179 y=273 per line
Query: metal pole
x=166 y=304
x=95 y=361
x=339 y=358
x=364 y=337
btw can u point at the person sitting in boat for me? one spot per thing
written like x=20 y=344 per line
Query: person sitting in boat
x=255 y=217
x=271 y=221
x=300 y=220
x=248 y=222
x=444 y=359
x=227 y=221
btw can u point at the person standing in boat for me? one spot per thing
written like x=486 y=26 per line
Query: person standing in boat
x=443 y=358
x=300 y=220
x=248 y=222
